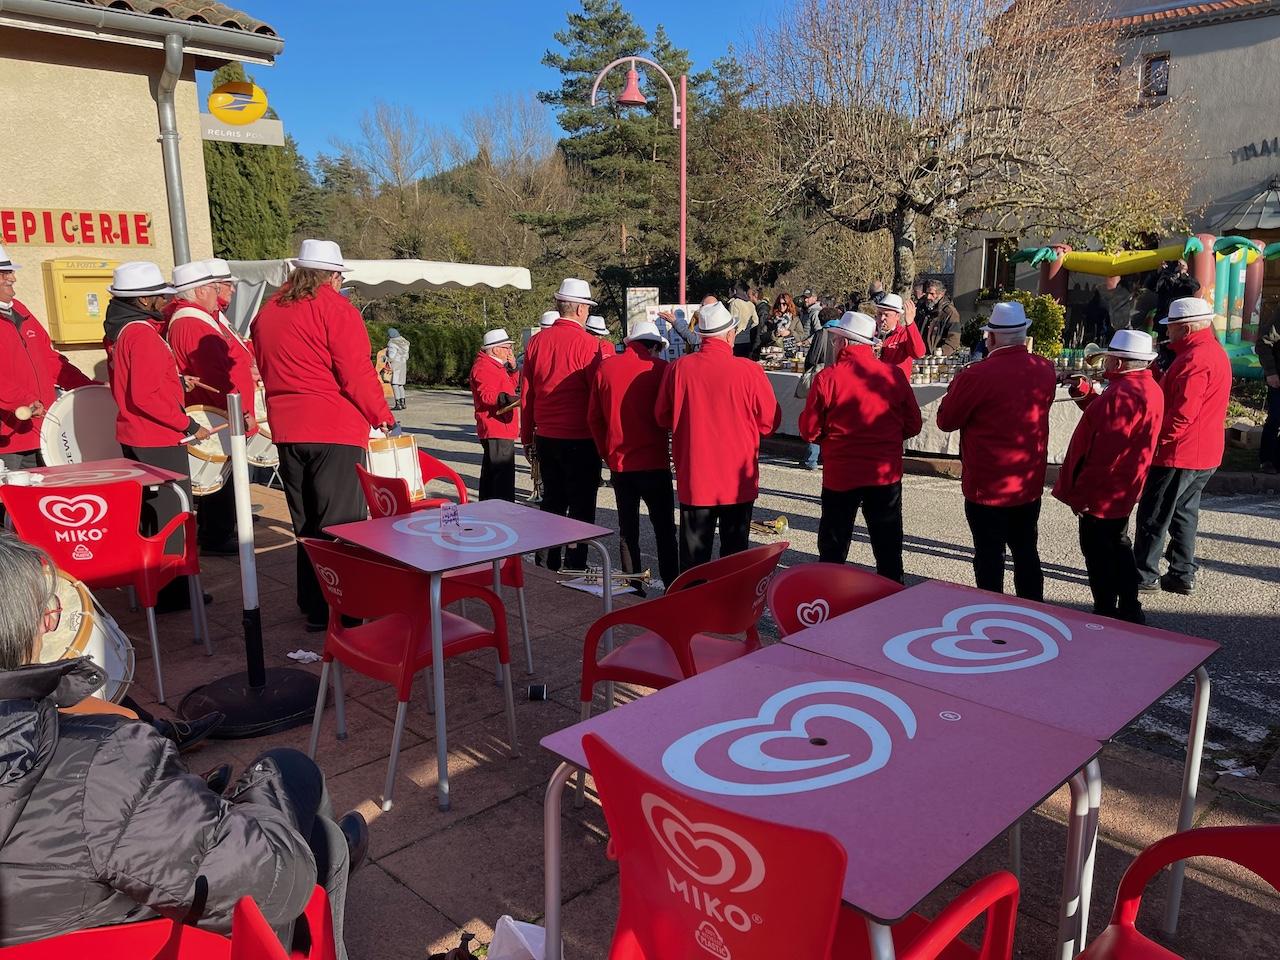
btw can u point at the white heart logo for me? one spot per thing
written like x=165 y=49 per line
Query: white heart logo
x=733 y=858
x=471 y=536
x=813 y=613
x=74 y=511
x=83 y=477
x=981 y=638
x=328 y=575
x=753 y=771
x=385 y=502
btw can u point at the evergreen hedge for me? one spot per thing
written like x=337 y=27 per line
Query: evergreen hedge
x=440 y=354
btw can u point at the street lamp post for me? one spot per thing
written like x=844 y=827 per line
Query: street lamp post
x=632 y=96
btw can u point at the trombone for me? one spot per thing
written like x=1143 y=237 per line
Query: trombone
x=771 y=528
x=594 y=576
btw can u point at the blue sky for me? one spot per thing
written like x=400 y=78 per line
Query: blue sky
x=444 y=58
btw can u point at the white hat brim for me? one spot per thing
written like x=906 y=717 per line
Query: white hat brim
x=497 y=343
x=1165 y=321
x=9 y=267
x=985 y=328
x=318 y=265
x=165 y=291
x=649 y=338
x=590 y=303
x=707 y=332
x=1129 y=355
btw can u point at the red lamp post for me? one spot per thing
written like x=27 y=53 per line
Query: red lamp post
x=632 y=96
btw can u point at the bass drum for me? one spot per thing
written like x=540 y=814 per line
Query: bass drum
x=261 y=448
x=209 y=459
x=86 y=630
x=396 y=457
x=80 y=427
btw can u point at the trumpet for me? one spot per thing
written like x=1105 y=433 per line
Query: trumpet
x=771 y=528
x=618 y=578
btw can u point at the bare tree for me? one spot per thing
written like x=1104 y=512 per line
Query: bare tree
x=975 y=114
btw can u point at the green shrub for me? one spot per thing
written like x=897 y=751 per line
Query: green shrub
x=440 y=354
x=971 y=332
x=1048 y=318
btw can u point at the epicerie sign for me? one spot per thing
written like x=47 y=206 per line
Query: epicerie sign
x=45 y=227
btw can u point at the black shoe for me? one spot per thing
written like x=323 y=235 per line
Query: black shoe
x=356 y=830
x=186 y=734
x=1152 y=586
x=1171 y=584
x=1269 y=468
x=219 y=778
x=317 y=626
x=228 y=548
x=182 y=602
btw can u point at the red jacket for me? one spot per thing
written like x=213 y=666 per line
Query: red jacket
x=1197 y=388
x=607 y=348
x=206 y=349
x=717 y=407
x=1001 y=408
x=901 y=346
x=29 y=370
x=144 y=379
x=314 y=359
x=559 y=366
x=489 y=378
x=622 y=407
x=860 y=410
x=1111 y=449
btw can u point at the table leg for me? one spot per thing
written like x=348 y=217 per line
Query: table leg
x=497 y=592
x=1190 y=784
x=881 y=941
x=437 y=681
x=1093 y=777
x=1068 y=909
x=606 y=575
x=551 y=859
x=1015 y=851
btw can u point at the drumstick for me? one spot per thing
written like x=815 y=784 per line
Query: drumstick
x=510 y=406
x=197 y=382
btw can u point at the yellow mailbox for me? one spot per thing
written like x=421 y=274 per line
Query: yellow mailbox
x=75 y=298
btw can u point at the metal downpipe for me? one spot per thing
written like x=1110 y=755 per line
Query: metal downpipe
x=173 y=58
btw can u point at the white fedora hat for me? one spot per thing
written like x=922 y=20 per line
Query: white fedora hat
x=221 y=270
x=1007 y=317
x=321 y=255
x=1131 y=345
x=6 y=265
x=858 y=327
x=188 y=276
x=1186 y=309
x=495 y=338
x=714 y=318
x=646 y=331
x=889 y=301
x=597 y=326
x=574 y=291
x=138 y=278
x=548 y=318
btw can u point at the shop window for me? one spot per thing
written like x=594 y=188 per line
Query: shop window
x=997 y=271
x=1155 y=77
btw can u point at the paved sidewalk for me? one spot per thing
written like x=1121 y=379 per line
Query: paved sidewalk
x=432 y=874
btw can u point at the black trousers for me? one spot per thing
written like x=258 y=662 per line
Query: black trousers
x=570 y=483
x=1108 y=560
x=996 y=528
x=1170 y=505
x=321 y=489
x=498 y=470
x=654 y=488
x=162 y=504
x=1269 y=452
x=22 y=461
x=216 y=515
x=698 y=531
x=882 y=511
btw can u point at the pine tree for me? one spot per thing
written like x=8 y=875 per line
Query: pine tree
x=250 y=187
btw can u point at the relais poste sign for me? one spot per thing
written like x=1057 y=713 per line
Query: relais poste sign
x=238 y=103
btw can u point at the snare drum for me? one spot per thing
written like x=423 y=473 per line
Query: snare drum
x=261 y=448
x=397 y=457
x=79 y=427
x=86 y=630
x=209 y=459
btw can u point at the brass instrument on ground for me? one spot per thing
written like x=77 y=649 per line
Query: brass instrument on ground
x=594 y=576
x=771 y=528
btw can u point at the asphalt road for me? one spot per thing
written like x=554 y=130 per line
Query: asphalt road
x=1237 y=602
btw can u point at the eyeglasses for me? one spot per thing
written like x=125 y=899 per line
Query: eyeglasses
x=53 y=615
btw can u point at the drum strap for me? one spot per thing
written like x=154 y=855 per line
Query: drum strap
x=145 y=323
x=218 y=324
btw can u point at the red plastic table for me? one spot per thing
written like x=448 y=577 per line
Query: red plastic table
x=1077 y=671
x=913 y=782
x=488 y=531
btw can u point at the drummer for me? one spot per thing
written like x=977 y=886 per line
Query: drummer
x=322 y=398
x=216 y=363
x=152 y=424
x=29 y=370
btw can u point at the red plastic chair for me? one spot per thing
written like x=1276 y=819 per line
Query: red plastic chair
x=675 y=642
x=394 y=644
x=389 y=497
x=91 y=533
x=696 y=881
x=804 y=596
x=253 y=939
x=1255 y=848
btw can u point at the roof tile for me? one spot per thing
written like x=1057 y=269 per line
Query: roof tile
x=197 y=11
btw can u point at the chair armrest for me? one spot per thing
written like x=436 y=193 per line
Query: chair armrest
x=996 y=896
x=182 y=519
x=452 y=591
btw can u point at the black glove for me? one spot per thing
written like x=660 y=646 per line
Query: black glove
x=506 y=399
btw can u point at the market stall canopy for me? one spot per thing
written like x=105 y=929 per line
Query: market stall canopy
x=370 y=279
x=1259 y=212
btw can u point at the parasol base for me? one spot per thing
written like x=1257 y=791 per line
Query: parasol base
x=287 y=700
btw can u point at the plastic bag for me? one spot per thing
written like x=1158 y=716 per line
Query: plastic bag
x=515 y=940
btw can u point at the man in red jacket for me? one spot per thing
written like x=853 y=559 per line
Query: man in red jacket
x=217 y=363
x=323 y=397
x=152 y=424
x=1001 y=408
x=559 y=367
x=717 y=407
x=900 y=340
x=494 y=390
x=860 y=411
x=29 y=370
x=1197 y=389
x=635 y=446
x=1106 y=466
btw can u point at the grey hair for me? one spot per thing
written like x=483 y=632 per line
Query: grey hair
x=29 y=582
x=1007 y=338
x=1127 y=364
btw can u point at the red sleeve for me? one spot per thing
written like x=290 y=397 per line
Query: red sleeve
x=242 y=377
x=915 y=342
x=814 y=416
x=203 y=353
x=1183 y=400
x=352 y=368
x=597 y=418
x=65 y=373
x=958 y=402
x=526 y=394
x=768 y=412
x=664 y=410
x=912 y=423
x=151 y=375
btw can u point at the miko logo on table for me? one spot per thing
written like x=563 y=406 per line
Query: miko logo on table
x=76 y=514
x=776 y=752
x=981 y=638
